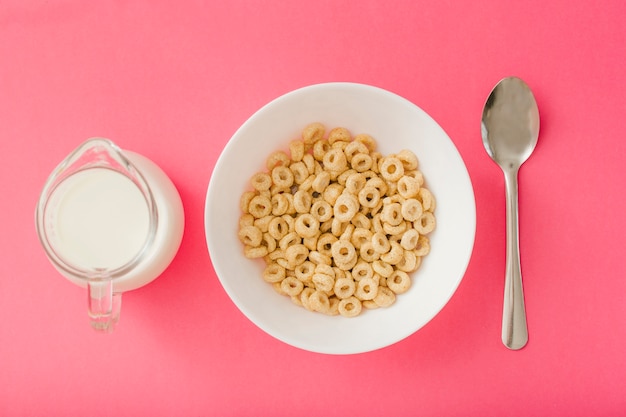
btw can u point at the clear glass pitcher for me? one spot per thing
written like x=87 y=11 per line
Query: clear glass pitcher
x=111 y=221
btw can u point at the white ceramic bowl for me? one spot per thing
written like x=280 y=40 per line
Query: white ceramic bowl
x=396 y=124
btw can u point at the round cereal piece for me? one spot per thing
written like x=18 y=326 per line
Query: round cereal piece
x=385 y=297
x=360 y=236
x=250 y=235
x=244 y=201
x=345 y=207
x=290 y=208
x=409 y=239
x=333 y=308
x=367 y=140
x=325 y=269
x=296 y=300
x=399 y=282
x=302 y=201
x=246 y=219
x=291 y=286
x=343 y=177
x=278 y=228
x=260 y=206
x=319 y=258
x=427 y=199
x=343 y=252
x=335 y=160
x=362 y=270
x=339 y=134
x=282 y=176
x=392 y=214
x=366 y=289
x=305 y=296
x=307 y=184
x=280 y=204
x=320 y=148
x=367 y=252
x=318 y=301
x=307 y=225
x=332 y=193
x=380 y=243
x=423 y=246
x=261 y=181
x=263 y=223
x=394 y=255
x=408 y=263
x=391 y=169
x=321 y=210
x=312 y=133
x=350 y=307
x=288 y=240
x=408 y=187
x=311 y=242
x=344 y=287
x=425 y=224
x=296 y=254
x=337 y=227
x=378 y=183
x=269 y=242
x=277 y=158
x=323 y=282
x=408 y=159
x=321 y=181
x=296 y=149
x=360 y=220
x=273 y=273
x=309 y=162
x=411 y=209
x=291 y=222
x=325 y=243
x=304 y=271
x=369 y=196
x=299 y=171
x=254 y=252
x=353 y=148
x=347 y=232
x=395 y=230
x=355 y=183
x=361 y=162
x=382 y=268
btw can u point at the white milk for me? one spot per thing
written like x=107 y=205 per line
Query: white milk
x=103 y=221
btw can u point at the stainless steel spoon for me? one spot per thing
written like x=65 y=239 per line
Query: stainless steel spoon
x=510 y=128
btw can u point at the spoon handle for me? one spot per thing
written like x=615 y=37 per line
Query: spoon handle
x=514 y=329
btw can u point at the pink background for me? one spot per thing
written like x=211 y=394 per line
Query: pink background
x=174 y=80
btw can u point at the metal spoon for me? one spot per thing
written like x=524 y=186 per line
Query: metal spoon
x=510 y=128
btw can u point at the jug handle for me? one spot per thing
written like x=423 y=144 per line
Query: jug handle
x=103 y=304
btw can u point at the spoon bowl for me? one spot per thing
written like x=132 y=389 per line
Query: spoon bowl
x=510 y=129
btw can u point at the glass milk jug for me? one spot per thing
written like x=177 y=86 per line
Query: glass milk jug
x=110 y=221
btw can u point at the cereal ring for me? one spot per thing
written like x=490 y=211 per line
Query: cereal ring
x=320 y=148
x=277 y=158
x=408 y=187
x=361 y=162
x=426 y=198
x=367 y=140
x=319 y=258
x=263 y=223
x=304 y=271
x=395 y=230
x=244 y=201
x=343 y=251
x=260 y=206
x=246 y=220
x=382 y=268
x=355 y=183
x=367 y=252
x=345 y=207
x=300 y=172
x=332 y=193
x=296 y=149
x=339 y=134
x=278 y=228
x=392 y=214
x=411 y=209
x=408 y=263
x=255 y=252
x=362 y=270
x=325 y=242
x=425 y=224
x=302 y=201
x=307 y=225
x=350 y=307
x=312 y=133
x=296 y=254
x=360 y=235
x=366 y=289
x=343 y=177
x=409 y=239
x=321 y=210
x=290 y=209
x=408 y=159
x=311 y=242
x=261 y=181
x=309 y=162
x=288 y=240
x=385 y=297
x=325 y=269
x=380 y=243
x=346 y=234
x=344 y=287
x=391 y=168
x=337 y=227
x=269 y=242
x=323 y=282
x=399 y=282
x=274 y=273
x=318 y=301
x=291 y=286
x=291 y=222
x=333 y=308
x=280 y=204
x=335 y=160
x=321 y=181
x=353 y=148
x=282 y=176
x=360 y=220
x=307 y=183
x=423 y=246
x=250 y=235
x=369 y=196
x=305 y=295
x=394 y=255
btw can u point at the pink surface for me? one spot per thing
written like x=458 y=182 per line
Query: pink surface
x=174 y=80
